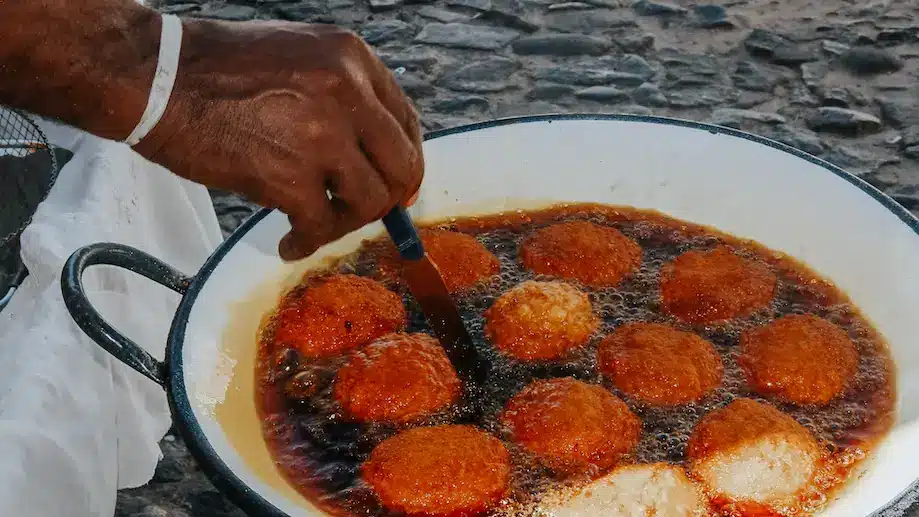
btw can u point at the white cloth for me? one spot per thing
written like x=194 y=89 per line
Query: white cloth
x=75 y=423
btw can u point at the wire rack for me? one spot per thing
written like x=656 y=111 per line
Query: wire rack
x=28 y=169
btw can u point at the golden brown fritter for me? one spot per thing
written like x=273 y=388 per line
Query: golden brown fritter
x=397 y=378
x=462 y=260
x=335 y=313
x=442 y=470
x=715 y=285
x=802 y=359
x=753 y=455
x=540 y=320
x=659 y=364
x=570 y=425
x=596 y=256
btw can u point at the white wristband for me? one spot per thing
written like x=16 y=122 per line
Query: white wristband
x=167 y=67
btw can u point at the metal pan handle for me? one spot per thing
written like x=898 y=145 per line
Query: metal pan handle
x=93 y=324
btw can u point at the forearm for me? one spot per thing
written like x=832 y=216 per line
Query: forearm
x=88 y=63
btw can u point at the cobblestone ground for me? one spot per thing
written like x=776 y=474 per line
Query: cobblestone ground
x=836 y=78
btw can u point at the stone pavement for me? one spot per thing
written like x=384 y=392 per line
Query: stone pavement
x=836 y=78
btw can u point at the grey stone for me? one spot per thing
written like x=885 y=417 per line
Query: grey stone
x=752 y=76
x=384 y=5
x=152 y=511
x=845 y=121
x=851 y=160
x=441 y=15
x=634 y=40
x=686 y=70
x=415 y=86
x=749 y=99
x=460 y=103
x=649 y=8
x=900 y=109
x=486 y=76
x=570 y=6
x=910 y=136
x=412 y=59
x=583 y=76
x=509 y=13
x=548 y=92
x=711 y=16
x=634 y=64
x=894 y=83
x=802 y=139
x=912 y=152
x=814 y=73
x=297 y=12
x=229 y=12
x=834 y=48
x=779 y=49
x=477 y=5
x=561 y=45
x=634 y=109
x=739 y=118
x=586 y=21
x=870 y=61
x=648 y=94
x=801 y=96
x=211 y=503
x=231 y=209
x=602 y=94
x=896 y=35
x=180 y=8
x=701 y=97
x=168 y=470
x=381 y=31
x=463 y=35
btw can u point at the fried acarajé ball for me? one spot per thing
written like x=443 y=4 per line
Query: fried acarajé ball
x=442 y=470
x=752 y=454
x=335 y=313
x=571 y=426
x=540 y=320
x=657 y=489
x=802 y=359
x=596 y=256
x=462 y=260
x=659 y=364
x=715 y=285
x=397 y=378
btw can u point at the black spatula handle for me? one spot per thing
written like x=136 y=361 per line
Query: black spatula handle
x=403 y=233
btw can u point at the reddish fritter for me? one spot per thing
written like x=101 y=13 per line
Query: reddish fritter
x=802 y=359
x=442 y=470
x=462 y=260
x=659 y=364
x=597 y=256
x=540 y=320
x=570 y=425
x=715 y=285
x=397 y=378
x=752 y=455
x=335 y=313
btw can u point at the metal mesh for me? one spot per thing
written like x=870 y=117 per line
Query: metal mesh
x=28 y=168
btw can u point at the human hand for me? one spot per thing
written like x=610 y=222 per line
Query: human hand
x=300 y=117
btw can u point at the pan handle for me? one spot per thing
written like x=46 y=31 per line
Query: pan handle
x=93 y=324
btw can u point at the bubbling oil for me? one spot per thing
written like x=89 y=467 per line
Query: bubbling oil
x=320 y=451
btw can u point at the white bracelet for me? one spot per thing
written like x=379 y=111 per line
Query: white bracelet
x=167 y=67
